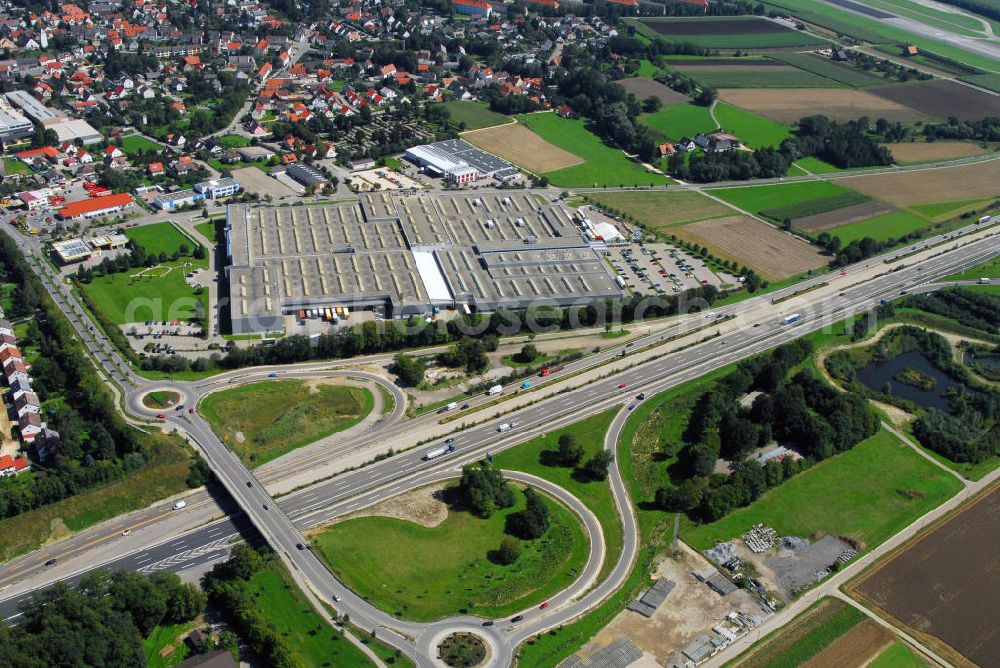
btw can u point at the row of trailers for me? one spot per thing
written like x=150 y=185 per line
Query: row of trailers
x=334 y=314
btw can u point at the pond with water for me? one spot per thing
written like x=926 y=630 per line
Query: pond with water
x=876 y=374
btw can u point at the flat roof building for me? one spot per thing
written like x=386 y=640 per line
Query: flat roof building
x=455 y=156
x=408 y=254
x=14 y=126
x=32 y=108
x=177 y=199
x=218 y=188
x=71 y=250
x=73 y=129
x=307 y=175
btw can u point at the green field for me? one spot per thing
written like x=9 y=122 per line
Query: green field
x=234 y=141
x=816 y=166
x=135 y=144
x=939 y=210
x=422 y=573
x=679 y=120
x=814 y=206
x=473 y=114
x=897 y=655
x=535 y=457
x=161 y=238
x=987 y=81
x=13 y=166
x=261 y=421
x=831 y=71
x=762 y=197
x=890 y=225
x=753 y=131
x=604 y=164
x=805 y=637
x=988 y=269
x=310 y=638
x=867 y=494
x=662 y=209
x=768 y=77
x=714 y=40
x=163 y=475
x=160 y=293
x=162 y=636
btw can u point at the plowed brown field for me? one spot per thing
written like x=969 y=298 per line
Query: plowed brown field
x=523 y=147
x=788 y=105
x=979 y=180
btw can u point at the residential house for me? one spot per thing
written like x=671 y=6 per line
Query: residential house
x=10 y=466
x=30 y=425
x=27 y=403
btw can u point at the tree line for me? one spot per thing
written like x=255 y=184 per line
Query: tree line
x=800 y=410
x=96 y=445
x=100 y=622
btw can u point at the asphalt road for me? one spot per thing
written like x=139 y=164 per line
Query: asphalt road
x=274 y=521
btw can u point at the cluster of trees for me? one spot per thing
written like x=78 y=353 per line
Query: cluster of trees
x=483 y=490
x=228 y=587
x=801 y=410
x=859 y=249
x=470 y=353
x=101 y=622
x=409 y=369
x=887 y=67
x=570 y=454
x=533 y=521
x=987 y=129
x=978 y=310
x=96 y=444
x=846 y=145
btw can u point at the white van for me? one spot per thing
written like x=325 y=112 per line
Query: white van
x=179 y=504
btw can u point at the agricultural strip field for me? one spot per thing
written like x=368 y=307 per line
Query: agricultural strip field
x=753 y=131
x=659 y=210
x=160 y=238
x=897 y=655
x=523 y=147
x=473 y=114
x=788 y=105
x=814 y=207
x=743 y=73
x=894 y=224
x=731 y=32
x=943 y=587
x=643 y=87
x=804 y=638
x=987 y=81
x=758 y=199
x=857 y=647
x=912 y=151
x=768 y=250
x=979 y=180
x=679 y=120
x=944 y=210
x=866 y=494
x=840 y=217
x=941 y=99
x=830 y=70
x=602 y=164
x=262 y=421
x=421 y=572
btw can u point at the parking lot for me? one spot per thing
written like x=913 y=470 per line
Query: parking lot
x=659 y=268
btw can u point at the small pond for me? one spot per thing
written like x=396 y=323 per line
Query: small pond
x=982 y=360
x=877 y=374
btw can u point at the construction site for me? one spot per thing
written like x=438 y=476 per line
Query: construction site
x=410 y=254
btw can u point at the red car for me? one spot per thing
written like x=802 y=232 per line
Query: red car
x=191 y=410
x=543 y=605
x=621 y=386
x=161 y=416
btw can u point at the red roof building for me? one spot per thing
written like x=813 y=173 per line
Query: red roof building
x=98 y=206
x=10 y=466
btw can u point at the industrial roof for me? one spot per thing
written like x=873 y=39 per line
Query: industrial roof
x=95 y=204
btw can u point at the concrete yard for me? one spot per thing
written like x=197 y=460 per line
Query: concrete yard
x=255 y=181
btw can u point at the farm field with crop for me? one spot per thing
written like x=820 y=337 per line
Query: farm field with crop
x=830 y=70
x=474 y=114
x=731 y=32
x=523 y=147
x=602 y=164
x=980 y=180
x=643 y=87
x=759 y=198
x=679 y=120
x=952 y=610
x=662 y=209
x=941 y=99
x=916 y=152
x=753 y=131
x=747 y=73
x=788 y=105
x=769 y=251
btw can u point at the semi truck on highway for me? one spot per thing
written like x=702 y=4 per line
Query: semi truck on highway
x=496 y=389
x=438 y=452
x=504 y=427
x=795 y=317
x=549 y=370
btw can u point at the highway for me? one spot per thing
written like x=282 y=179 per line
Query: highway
x=283 y=522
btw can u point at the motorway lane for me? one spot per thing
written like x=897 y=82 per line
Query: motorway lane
x=671 y=370
x=283 y=532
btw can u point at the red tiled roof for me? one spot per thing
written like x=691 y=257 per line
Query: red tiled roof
x=95 y=204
